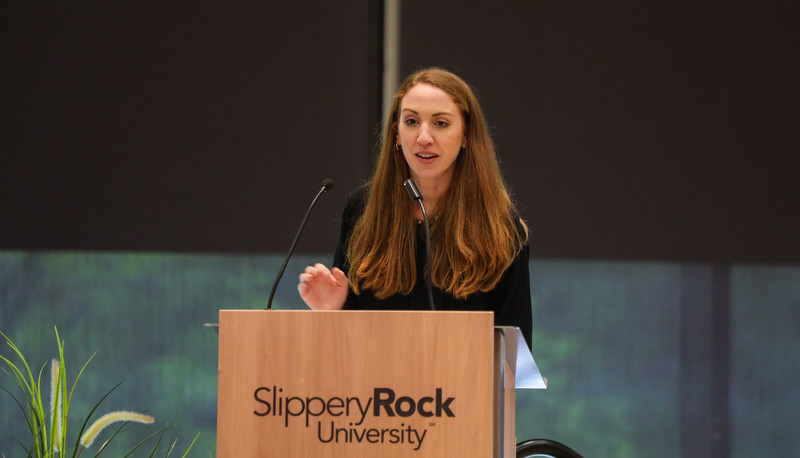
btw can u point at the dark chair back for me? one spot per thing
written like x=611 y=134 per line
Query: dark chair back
x=545 y=448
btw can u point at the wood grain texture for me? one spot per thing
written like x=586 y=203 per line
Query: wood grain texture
x=330 y=368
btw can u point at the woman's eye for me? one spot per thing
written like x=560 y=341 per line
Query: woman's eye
x=410 y=122
x=442 y=123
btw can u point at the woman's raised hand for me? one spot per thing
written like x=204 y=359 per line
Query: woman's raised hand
x=323 y=289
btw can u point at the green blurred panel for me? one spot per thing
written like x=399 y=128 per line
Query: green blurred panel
x=607 y=336
x=765 y=399
x=139 y=317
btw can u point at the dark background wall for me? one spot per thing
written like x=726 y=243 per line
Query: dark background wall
x=182 y=127
x=660 y=130
x=630 y=130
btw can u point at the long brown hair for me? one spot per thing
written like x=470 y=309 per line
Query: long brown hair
x=474 y=237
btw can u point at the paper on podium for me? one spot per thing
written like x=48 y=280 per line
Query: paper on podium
x=520 y=360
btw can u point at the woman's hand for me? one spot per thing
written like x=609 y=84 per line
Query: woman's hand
x=323 y=289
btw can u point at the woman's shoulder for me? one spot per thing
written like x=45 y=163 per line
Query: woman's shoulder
x=356 y=201
x=359 y=195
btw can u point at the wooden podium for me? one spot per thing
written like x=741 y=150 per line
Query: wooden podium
x=367 y=383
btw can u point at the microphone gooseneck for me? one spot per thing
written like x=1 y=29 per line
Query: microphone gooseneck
x=326 y=184
x=416 y=195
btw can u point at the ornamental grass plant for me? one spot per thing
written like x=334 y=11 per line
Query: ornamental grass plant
x=46 y=412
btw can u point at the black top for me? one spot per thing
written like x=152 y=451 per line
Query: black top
x=510 y=300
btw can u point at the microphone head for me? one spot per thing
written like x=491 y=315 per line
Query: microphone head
x=413 y=189
x=327 y=183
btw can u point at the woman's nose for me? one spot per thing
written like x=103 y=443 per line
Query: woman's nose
x=424 y=137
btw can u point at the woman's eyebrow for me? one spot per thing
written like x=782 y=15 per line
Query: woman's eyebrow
x=441 y=113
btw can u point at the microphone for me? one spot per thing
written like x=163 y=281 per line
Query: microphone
x=326 y=184
x=416 y=195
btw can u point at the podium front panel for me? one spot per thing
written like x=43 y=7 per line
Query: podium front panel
x=355 y=383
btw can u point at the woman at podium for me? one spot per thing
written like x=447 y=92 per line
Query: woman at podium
x=436 y=135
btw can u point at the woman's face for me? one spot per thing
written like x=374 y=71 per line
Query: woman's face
x=431 y=133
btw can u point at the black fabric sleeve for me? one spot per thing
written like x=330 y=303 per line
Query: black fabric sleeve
x=352 y=211
x=511 y=299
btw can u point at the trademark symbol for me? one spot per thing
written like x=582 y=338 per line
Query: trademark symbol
x=432 y=424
